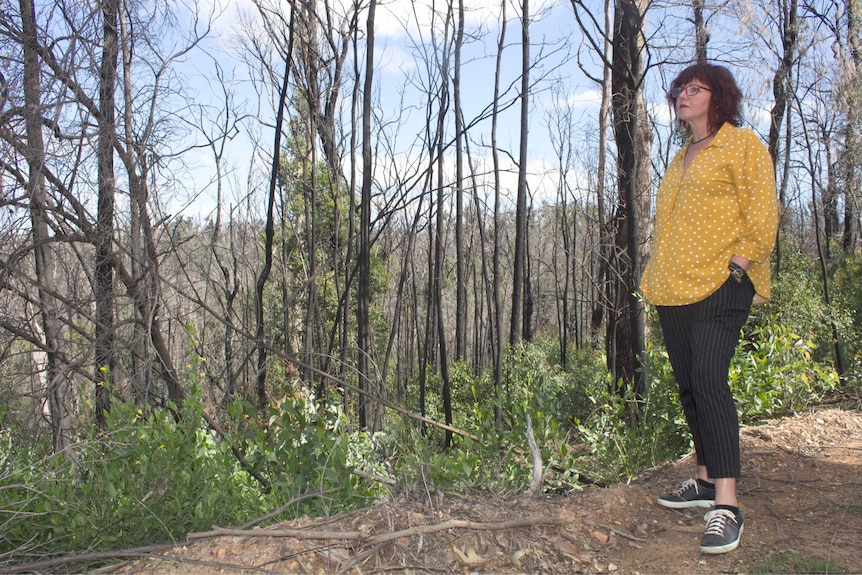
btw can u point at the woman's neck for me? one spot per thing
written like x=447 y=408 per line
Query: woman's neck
x=700 y=132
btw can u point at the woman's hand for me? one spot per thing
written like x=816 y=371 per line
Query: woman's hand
x=741 y=261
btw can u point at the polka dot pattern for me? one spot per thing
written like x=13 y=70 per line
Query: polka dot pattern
x=724 y=204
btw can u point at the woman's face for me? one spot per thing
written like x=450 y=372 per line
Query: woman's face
x=692 y=103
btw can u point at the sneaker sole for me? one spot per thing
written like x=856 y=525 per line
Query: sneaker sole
x=723 y=548
x=686 y=504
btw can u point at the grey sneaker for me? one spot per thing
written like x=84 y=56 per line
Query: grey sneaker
x=723 y=530
x=690 y=494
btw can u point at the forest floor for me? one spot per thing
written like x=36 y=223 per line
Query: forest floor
x=800 y=492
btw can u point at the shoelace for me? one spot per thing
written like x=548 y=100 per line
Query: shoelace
x=686 y=485
x=717 y=520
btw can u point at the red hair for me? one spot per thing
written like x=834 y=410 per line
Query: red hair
x=725 y=104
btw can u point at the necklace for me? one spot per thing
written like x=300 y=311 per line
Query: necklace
x=695 y=142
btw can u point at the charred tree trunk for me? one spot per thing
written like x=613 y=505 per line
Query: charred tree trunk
x=57 y=388
x=515 y=327
x=626 y=326
x=363 y=303
x=104 y=266
x=269 y=233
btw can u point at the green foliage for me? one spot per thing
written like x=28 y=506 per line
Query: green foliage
x=500 y=460
x=847 y=289
x=304 y=447
x=773 y=370
x=798 y=305
x=626 y=435
x=150 y=478
x=164 y=476
x=153 y=477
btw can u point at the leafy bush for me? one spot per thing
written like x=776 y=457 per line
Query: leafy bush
x=500 y=460
x=773 y=371
x=150 y=478
x=627 y=435
x=304 y=447
x=847 y=289
x=153 y=477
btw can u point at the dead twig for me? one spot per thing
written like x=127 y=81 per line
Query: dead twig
x=376 y=540
x=295 y=533
x=48 y=564
x=464 y=524
x=625 y=534
x=538 y=475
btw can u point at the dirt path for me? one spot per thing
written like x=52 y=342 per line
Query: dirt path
x=801 y=494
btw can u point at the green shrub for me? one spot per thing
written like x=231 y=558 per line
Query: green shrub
x=150 y=478
x=304 y=447
x=773 y=371
x=627 y=435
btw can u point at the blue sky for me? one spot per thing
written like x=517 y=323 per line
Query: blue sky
x=401 y=26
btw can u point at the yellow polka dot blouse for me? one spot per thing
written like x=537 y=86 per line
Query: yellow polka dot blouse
x=723 y=204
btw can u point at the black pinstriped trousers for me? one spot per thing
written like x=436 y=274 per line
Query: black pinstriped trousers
x=700 y=339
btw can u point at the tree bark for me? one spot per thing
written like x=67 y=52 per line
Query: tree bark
x=497 y=286
x=363 y=303
x=104 y=266
x=58 y=389
x=269 y=232
x=626 y=326
x=519 y=263
x=460 y=280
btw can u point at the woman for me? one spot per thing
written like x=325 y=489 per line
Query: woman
x=716 y=220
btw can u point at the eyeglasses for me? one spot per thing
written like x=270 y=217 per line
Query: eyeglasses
x=690 y=90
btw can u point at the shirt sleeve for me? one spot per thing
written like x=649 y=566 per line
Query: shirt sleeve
x=757 y=202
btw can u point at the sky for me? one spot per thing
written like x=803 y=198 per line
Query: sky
x=402 y=25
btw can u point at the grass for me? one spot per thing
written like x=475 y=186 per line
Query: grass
x=790 y=562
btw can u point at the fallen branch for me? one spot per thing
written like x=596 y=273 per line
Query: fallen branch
x=295 y=533
x=48 y=564
x=376 y=540
x=281 y=509
x=150 y=550
x=463 y=524
x=538 y=476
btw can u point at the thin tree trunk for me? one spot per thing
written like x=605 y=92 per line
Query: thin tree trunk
x=515 y=327
x=104 y=265
x=498 y=304
x=437 y=289
x=269 y=232
x=782 y=85
x=58 y=389
x=460 y=280
x=363 y=303
x=838 y=351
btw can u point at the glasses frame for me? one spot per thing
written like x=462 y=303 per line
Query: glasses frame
x=689 y=89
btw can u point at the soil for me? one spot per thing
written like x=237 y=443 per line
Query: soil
x=800 y=495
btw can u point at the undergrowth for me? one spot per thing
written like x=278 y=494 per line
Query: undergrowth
x=156 y=475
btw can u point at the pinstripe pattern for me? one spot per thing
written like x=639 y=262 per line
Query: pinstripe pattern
x=700 y=339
